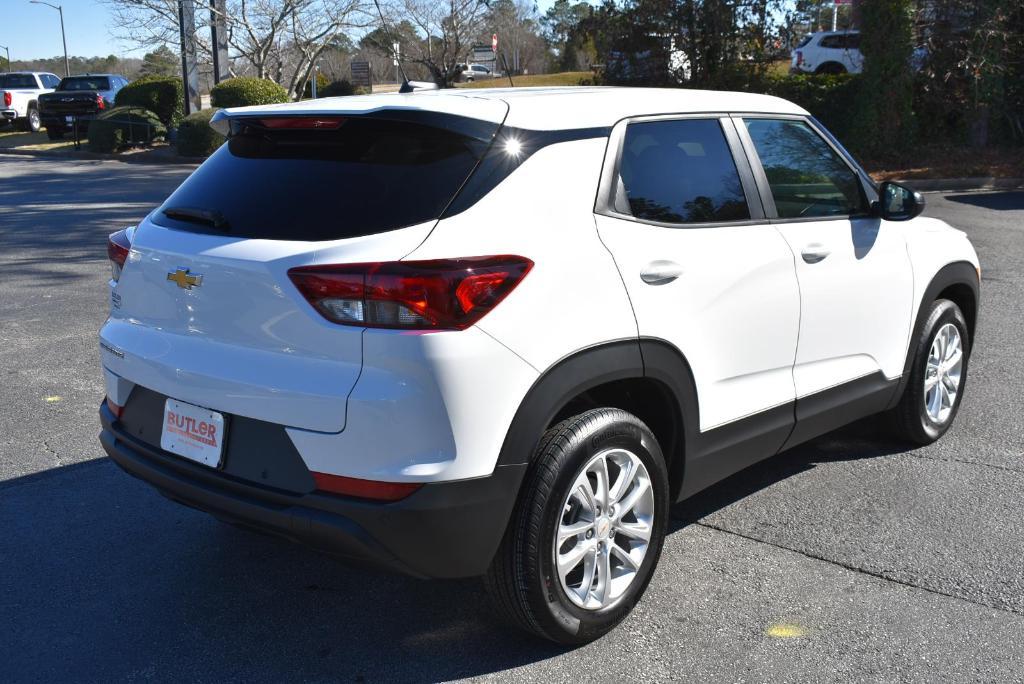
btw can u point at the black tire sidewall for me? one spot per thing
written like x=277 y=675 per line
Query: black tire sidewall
x=943 y=312
x=562 y=619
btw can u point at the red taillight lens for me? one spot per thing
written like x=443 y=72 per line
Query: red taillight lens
x=326 y=123
x=443 y=294
x=118 y=246
x=114 y=408
x=364 y=489
x=799 y=57
x=100 y=104
x=8 y=98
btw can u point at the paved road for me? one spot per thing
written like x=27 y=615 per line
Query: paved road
x=848 y=559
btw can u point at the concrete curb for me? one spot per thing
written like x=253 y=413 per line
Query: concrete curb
x=959 y=184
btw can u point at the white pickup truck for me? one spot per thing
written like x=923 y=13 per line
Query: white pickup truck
x=18 y=93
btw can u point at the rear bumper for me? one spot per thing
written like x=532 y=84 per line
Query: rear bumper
x=9 y=114
x=443 y=530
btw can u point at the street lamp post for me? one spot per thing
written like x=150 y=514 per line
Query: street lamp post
x=8 y=58
x=60 y=9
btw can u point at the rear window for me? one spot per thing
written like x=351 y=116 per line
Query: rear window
x=18 y=81
x=85 y=83
x=805 y=40
x=369 y=175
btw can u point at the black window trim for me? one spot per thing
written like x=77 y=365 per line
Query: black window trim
x=868 y=191
x=609 y=189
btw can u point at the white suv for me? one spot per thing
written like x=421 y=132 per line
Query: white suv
x=499 y=333
x=828 y=52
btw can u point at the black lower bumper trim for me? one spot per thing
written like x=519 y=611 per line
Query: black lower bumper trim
x=443 y=530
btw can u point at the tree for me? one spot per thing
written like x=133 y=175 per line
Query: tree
x=518 y=28
x=885 y=117
x=160 y=62
x=446 y=29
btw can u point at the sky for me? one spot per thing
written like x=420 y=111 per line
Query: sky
x=33 y=31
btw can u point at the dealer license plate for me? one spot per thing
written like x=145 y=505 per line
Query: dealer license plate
x=193 y=432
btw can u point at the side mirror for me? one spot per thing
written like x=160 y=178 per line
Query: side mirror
x=898 y=202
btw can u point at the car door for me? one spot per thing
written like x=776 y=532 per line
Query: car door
x=856 y=284
x=705 y=272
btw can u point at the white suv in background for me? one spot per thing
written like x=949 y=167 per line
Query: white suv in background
x=828 y=52
x=19 y=91
x=499 y=333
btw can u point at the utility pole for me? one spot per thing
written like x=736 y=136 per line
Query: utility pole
x=189 y=70
x=219 y=40
x=63 y=38
x=8 y=58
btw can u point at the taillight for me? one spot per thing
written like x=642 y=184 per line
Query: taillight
x=442 y=294
x=114 y=408
x=8 y=98
x=799 y=57
x=118 y=247
x=100 y=103
x=327 y=123
x=364 y=489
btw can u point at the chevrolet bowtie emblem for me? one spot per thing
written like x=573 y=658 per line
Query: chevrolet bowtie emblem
x=185 y=280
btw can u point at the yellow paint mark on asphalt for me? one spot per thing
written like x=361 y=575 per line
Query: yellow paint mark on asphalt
x=52 y=399
x=785 y=631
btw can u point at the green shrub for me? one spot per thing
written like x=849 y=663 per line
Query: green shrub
x=336 y=89
x=195 y=137
x=161 y=95
x=322 y=82
x=122 y=126
x=245 y=90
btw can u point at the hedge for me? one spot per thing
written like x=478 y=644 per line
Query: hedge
x=832 y=99
x=245 y=90
x=161 y=95
x=122 y=126
x=195 y=137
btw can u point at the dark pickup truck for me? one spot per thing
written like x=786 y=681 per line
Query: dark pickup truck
x=78 y=99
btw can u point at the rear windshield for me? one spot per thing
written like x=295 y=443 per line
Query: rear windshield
x=18 y=81
x=368 y=175
x=85 y=83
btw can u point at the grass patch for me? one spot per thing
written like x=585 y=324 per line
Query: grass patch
x=566 y=78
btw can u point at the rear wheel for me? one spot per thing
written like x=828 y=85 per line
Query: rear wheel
x=935 y=389
x=831 y=68
x=587 y=531
x=32 y=120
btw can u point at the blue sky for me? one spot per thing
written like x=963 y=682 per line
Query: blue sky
x=33 y=31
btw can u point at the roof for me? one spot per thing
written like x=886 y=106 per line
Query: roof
x=544 y=108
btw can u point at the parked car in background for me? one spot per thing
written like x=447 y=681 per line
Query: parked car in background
x=453 y=381
x=473 y=72
x=828 y=52
x=78 y=99
x=19 y=92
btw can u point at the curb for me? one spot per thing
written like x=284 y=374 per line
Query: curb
x=960 y=184
x=83 y=154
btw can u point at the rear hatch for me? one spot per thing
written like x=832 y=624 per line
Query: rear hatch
x=283 y=192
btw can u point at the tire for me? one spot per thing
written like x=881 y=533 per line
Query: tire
x=523 y=579
x=831 y=68
x=915 y=419
x=32 y=123
x=54 y=133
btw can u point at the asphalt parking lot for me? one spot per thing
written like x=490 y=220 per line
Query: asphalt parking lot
x=849 y=559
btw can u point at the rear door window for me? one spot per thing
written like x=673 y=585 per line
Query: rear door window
x=806 y=176
x=681 y=171
x=364 y=175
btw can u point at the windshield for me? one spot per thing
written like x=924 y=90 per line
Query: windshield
x=280 y=179
x=18 y=81
x=85 y=83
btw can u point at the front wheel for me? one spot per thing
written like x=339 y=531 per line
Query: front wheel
x=587 y=531
x=935 y=388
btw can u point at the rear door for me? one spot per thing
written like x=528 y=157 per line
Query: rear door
x=854 y=272
x=704 y=270
x=204 y=311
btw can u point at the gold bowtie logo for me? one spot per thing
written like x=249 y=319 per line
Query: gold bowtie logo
x=185 y=280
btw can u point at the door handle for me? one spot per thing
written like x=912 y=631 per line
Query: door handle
x=661 y=272
x=814 y=252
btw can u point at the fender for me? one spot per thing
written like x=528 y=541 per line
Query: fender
x=956 y=273
x=697 y=460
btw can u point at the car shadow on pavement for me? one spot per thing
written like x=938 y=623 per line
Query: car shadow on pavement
x=859 y=440
x=998 y=201
x=104 y=580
